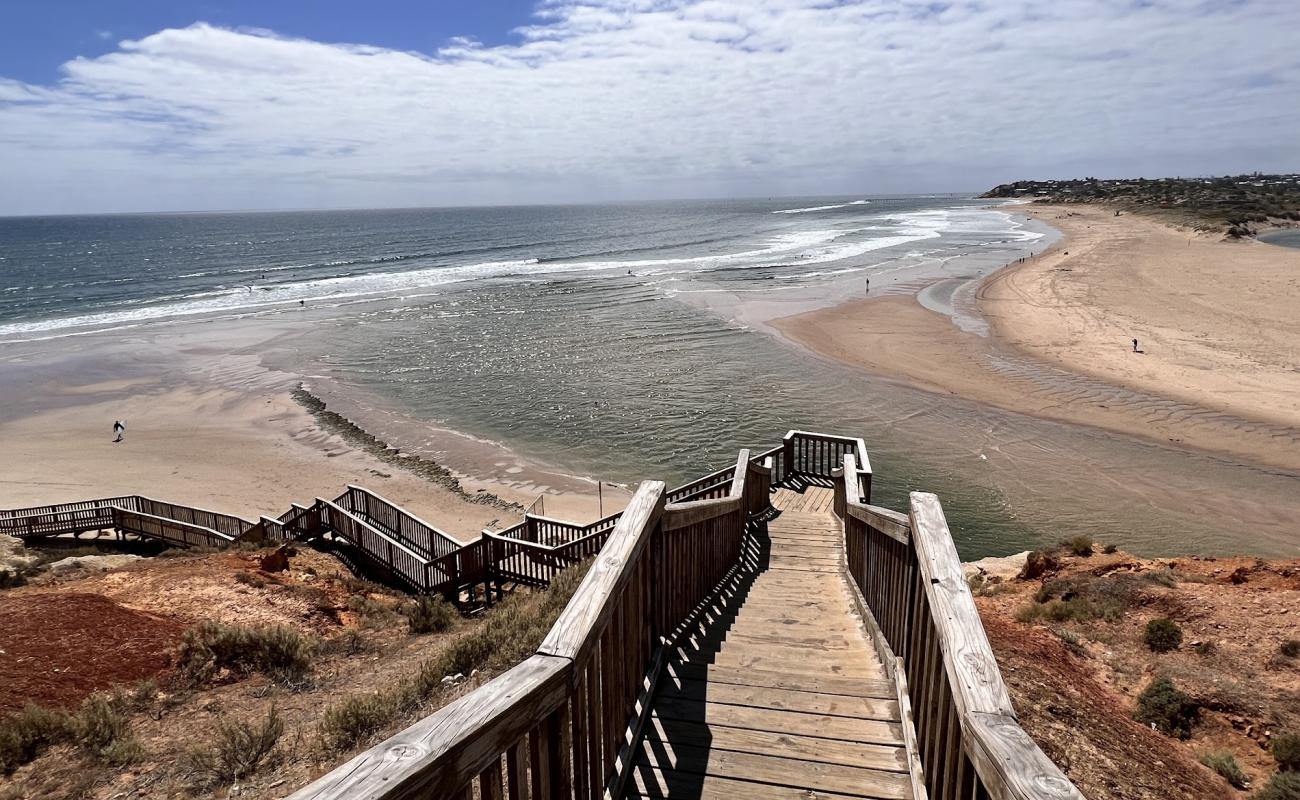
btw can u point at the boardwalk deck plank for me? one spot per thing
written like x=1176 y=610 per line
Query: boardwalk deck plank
x=779 y=693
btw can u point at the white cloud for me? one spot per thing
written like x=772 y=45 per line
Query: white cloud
x=610 y=99
x=104 y=35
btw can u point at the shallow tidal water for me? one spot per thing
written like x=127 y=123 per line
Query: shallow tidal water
x=612 y=380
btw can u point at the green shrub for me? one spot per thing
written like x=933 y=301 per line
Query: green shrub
x=1282 y=786
x=1170 y=710
x=238 y=749
x=1290 y=648
x=274 y=650
x=1163 y=635
x=102 y=727
x=357 y=718
x=25 y=734
x=1080 y=546
x=1286 y=751
x=99 y=722
x=1226 y=766
x=1110 y=549
x=12 y=580
x=509 y=633
x=430 y=615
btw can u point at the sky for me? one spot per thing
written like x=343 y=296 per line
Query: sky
x=168 y=105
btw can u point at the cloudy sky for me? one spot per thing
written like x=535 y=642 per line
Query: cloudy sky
x=109 y=106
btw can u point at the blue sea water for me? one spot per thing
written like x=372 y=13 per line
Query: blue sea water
x=587 y=337
x=62 y=274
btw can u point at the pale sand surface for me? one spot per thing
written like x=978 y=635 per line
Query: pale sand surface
x=208 y=425
x=1217 y=322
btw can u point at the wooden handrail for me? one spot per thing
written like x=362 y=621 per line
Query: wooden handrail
x=531 y=706
x=560 y=721
x=151 y=525
x=907 y=574
x=449 y=542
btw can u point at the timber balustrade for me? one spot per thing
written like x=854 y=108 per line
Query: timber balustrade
x=967 y=742
x=563 y=723
x=134 y=514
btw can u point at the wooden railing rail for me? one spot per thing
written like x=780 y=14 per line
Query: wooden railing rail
x=399 y=523
x=400 y=560
x=563 y=723
x=967 y=740
x=169 y=530
x=227 y=524
x=94 y=518
x=549 y=727
x=125 y=501
x=821 y=455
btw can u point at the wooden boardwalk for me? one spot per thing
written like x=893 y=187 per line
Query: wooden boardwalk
x=779 y=693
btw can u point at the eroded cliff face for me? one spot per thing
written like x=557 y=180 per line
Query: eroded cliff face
x=1073 y=646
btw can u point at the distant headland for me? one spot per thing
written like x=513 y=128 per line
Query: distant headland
x=1237 y=205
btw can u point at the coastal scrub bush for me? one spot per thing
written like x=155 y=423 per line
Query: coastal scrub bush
x=1080 y=546
x=1172 y=711
x=102 y=728
x=25 y=734
x=238 y=749
x=510 y=633
x=357 y=718
x=12 y=580
x=1282 y=786
x=1163 y=635
x=1290 y=648
x=1286 y=751
x=277 y=651
x=430 y=615
x=1226 y=766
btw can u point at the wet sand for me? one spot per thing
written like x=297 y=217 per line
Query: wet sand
x=1220 y=363
x=209 y=424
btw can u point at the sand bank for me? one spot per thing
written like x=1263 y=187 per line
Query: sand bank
x=1215 y=321
x=209 y=424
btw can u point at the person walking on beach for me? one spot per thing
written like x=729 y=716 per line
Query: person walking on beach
x=118 y=428
x=868 y=291
x=1135 y=345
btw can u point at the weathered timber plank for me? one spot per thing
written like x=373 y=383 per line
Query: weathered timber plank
x=574 y=632
x=784 y=700
x=968 y=659
x=651 y=783
x=1011 y=764
x=773 y=770
x=786 y=745
x=839 y=728
x=441 y=753
x=827 y=684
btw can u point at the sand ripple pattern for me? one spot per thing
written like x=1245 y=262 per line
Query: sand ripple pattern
x=1064 y=388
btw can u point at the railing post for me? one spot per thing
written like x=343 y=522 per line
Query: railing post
x=787 y=456
x=840 y=505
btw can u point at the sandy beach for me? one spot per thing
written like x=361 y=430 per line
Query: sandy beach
x=1215 y=322
x=210 y=424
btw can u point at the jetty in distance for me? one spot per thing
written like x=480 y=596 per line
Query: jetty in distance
x=763 y=631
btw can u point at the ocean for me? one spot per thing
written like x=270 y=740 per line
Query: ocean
x=62 y=275
x=620 y=342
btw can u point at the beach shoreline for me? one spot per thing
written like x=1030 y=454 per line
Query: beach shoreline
x=213 y=421
x=1213 y=375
